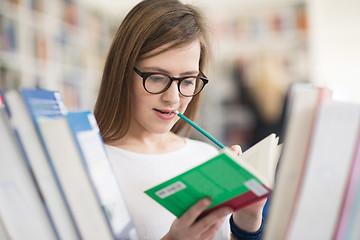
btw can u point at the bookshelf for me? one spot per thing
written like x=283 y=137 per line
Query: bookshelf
x=252 y=38
x=55 y=45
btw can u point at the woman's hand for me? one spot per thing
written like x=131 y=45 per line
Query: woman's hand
x=188 y=227
x=250 y=217
x=236 y=149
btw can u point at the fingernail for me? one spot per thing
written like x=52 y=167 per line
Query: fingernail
x=228 y=211
x=207 y=201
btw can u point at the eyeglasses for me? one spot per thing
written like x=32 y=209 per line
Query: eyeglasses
x=156 y=83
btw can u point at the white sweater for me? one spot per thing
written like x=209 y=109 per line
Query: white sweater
x=137 y=172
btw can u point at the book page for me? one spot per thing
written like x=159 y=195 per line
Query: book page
x=262 y=159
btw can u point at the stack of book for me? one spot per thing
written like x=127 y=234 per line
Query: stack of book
x=317 y=189
x=55 y=178
x=56 y=181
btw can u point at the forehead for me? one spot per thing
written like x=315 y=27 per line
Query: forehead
x=183 y=58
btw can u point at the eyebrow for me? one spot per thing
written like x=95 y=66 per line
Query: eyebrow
x=161 y=70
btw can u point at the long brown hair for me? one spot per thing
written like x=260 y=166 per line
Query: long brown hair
x=148 y=26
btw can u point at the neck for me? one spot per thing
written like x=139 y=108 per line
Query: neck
x=151 y=144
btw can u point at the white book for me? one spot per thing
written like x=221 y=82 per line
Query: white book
x=303 y=101
x=95 y=159
x=39 y=164
x=330 y=157
x=78 y=189
x=48 y=111
x=21 y=206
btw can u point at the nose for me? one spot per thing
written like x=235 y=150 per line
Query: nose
x=172 y=94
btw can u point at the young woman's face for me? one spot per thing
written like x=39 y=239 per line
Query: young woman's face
x=153 y=113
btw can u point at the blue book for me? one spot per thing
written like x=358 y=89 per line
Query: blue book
x=49 y=115
x=87 y=135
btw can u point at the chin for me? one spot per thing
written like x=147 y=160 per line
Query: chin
x=162 y=130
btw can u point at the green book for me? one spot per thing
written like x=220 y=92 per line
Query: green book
x=227 y=179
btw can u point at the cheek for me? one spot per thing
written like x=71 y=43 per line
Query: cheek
x=141 y=102
x=139 y=95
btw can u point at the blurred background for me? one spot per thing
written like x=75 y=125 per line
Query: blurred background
x=261 y=48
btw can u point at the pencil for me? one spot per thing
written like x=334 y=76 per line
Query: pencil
x=199 y=129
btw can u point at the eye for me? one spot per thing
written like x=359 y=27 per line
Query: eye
x=157 y=78
x=189 y=81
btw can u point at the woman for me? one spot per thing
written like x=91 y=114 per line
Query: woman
x=156 y=65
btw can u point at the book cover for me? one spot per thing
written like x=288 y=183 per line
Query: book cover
x=21 y=204
x=87 y=135
x=39 y=165
x=49 y=115
x=226 y=179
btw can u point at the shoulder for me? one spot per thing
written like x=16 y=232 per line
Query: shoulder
x=114 y=152
x=110 y=149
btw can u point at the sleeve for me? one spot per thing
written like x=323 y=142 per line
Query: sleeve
x=240 y=234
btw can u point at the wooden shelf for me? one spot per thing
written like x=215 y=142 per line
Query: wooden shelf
x=54 y=45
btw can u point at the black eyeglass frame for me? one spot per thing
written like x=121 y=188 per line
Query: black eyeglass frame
x=145 y=75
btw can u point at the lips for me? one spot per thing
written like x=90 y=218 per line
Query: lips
x=164 y=111
x=165 y=114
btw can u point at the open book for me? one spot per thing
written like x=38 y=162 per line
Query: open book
x=227 y=179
